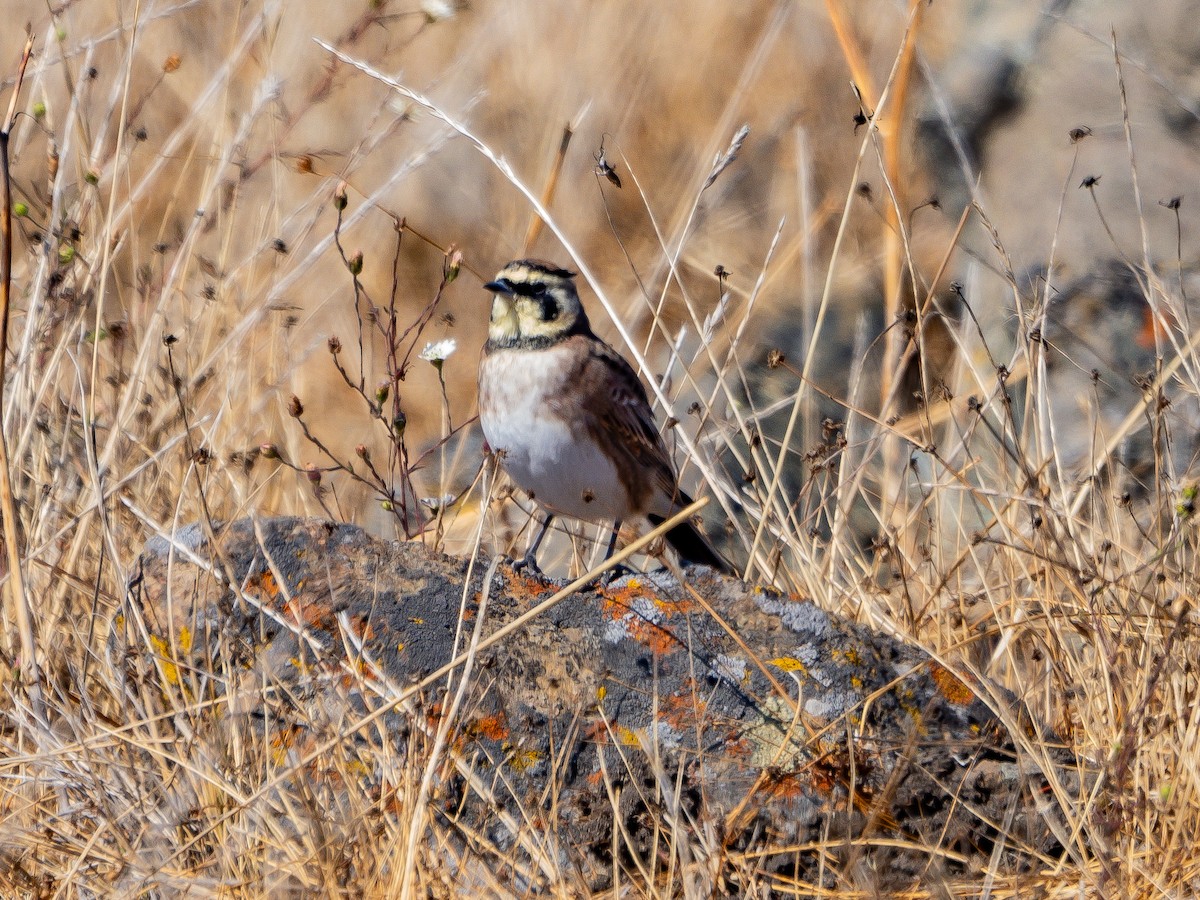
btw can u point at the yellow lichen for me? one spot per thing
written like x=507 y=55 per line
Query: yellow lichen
x=790 y=664
x=169 y=669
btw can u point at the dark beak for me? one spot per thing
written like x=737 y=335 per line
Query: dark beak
x=498 y=287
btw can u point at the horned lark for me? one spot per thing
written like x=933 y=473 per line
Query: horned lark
x=568 y=415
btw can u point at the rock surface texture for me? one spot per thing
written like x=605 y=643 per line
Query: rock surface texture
x=773 y=726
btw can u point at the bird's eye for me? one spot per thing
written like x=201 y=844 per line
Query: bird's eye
x=549 y=308
x=529 y=289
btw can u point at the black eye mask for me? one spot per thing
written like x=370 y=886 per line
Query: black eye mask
x=549 y=308
x=526 y=288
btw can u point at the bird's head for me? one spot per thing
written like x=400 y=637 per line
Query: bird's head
x=535 y=303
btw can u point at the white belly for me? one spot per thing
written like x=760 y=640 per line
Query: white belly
x=549 y=457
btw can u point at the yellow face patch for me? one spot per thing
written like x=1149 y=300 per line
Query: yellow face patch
x=505 y=321
x=545 y=317
x=533 y=304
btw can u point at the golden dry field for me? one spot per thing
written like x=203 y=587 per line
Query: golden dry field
x=916 y=279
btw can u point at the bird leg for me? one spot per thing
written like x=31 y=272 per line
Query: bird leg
x=618 y=571
x=612 y=541
x=529 y=560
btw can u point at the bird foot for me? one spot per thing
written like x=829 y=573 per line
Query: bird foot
x=617 y=572
x=528 y=565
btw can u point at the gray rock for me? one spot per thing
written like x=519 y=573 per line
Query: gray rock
x=630 y=705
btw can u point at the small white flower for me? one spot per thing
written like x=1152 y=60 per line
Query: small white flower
x=437 y=10
x=435 y=353
x=440 y=351
x=437 y=503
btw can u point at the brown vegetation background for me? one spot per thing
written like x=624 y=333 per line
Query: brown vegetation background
x=234 y=127
x=176 y=166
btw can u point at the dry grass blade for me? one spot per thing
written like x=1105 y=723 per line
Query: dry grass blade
x=726 y=159
x=947 y=420
x=16 y=579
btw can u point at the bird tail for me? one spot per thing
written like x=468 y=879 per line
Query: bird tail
x=692 y=546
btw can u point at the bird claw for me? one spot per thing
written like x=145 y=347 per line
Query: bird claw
x=528 y=564
x=617 y=572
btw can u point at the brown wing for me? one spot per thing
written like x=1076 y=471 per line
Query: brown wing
x=614 y=408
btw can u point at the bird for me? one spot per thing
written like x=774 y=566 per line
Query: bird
x=568 y=417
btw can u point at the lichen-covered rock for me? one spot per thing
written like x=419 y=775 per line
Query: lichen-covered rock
x=770 y=725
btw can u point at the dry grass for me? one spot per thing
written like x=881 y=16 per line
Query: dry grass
x=180 y=264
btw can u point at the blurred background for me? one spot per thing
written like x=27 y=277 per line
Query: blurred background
x=209 y=142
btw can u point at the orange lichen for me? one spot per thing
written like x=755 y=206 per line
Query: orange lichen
x=263 y=584
x=739 y=747
x=282 y=741
x=310 y=612
x=780 y=785
x=493 y=727
x=654 y=637
x=619 y=600
x=683 y=711
x=522 y=585
x=596 y=732
x=951 y=686
x=362 y=628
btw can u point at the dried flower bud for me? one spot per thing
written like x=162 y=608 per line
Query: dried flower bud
x=363 y=452
x=775 y=359
x=453 y=263
x=304 y=164
x=339 y=196
x=355 y=263
x=172 y=63
x=381 y=392
x=1186 y=507
x=268 y=451
x=335 y=344
x=295 y=407
x=312 y=473
x=399 y=423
